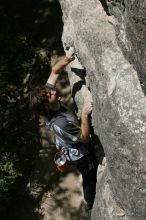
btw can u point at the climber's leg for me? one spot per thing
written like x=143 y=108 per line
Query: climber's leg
x=88 y=172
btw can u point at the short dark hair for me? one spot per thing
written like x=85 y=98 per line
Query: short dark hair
x=39 y=100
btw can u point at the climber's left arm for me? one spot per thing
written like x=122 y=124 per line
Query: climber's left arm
x=85 y=125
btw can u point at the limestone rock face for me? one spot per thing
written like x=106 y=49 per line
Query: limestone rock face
x=113 y=54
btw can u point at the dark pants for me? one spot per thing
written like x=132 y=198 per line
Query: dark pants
x=88 y=170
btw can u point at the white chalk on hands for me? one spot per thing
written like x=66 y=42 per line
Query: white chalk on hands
x=70 y=52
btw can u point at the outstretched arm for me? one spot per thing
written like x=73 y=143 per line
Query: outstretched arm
x=60 y=65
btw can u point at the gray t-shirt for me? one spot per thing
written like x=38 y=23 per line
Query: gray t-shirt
x=67 y=131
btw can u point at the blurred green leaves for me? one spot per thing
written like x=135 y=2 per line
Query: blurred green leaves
x=8 y=174
x=8 y=170
x=16 y=56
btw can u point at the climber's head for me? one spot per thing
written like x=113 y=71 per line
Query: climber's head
x=43 y=100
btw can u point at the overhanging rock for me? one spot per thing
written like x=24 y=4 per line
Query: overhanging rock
x=119 y=115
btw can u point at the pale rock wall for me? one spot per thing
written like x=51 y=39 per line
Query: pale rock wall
x=113 y=57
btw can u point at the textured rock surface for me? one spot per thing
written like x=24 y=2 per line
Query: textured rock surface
x=113 y=54
x=131 y=32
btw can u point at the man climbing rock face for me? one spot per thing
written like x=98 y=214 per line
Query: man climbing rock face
x=71 y=137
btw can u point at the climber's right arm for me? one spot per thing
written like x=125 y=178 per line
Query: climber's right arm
x=60 y=65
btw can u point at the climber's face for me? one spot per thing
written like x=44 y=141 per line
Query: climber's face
x=53 y=99
x=52 y=96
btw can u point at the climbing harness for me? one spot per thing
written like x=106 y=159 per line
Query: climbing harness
x=61 y=161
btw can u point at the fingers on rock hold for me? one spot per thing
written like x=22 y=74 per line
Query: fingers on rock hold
x=70 y=53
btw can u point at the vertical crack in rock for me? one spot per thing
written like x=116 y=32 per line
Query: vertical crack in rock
x=105 y=6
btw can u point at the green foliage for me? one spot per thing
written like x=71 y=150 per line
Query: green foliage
x=18 y=143
x=8 y=175
x=15 y=63
x=8 y=172
x=14 y=58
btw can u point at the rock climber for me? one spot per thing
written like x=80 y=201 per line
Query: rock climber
x=70 y=135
